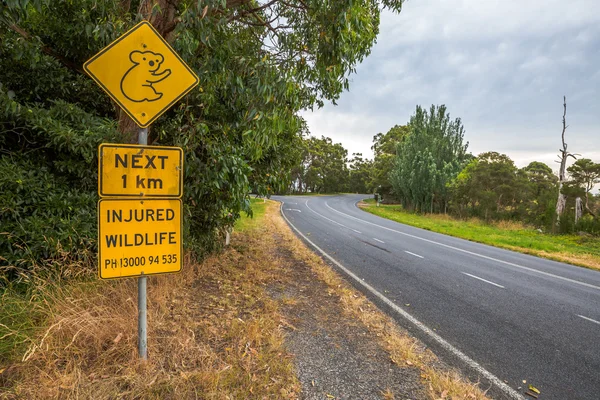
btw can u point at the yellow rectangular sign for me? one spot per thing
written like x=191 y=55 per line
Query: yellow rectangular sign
x=139 y=171
x=142 y=73
x=139 y=237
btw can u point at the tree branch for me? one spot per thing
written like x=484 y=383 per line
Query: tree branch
x=236 y=3
x=234 y=17
x=302 y=5
x=564 y=121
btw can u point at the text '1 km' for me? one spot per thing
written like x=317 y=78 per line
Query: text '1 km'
x=146 y=171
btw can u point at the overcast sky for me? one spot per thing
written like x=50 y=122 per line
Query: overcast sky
x=502 y=66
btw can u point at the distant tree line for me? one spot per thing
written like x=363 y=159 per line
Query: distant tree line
x=425 y=166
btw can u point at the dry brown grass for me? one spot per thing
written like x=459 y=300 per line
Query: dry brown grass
x=404 y=350
x=213 y=334
x=508 y=225
x=583 y=260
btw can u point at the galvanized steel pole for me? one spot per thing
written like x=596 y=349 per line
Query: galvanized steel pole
x=142 y=314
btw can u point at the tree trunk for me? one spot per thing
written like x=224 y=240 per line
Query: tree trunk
x=128 y=128
x=587 y=205
x=161 y=14
x=578 y=209
x=560 y=205
x=564 y=154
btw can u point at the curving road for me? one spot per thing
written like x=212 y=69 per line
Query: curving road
x=500 y=316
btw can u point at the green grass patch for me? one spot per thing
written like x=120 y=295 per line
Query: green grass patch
x=247 y=222
x=579 y=250
x=20 y=318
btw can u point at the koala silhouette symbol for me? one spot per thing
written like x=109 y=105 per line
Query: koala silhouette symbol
x=137 y=83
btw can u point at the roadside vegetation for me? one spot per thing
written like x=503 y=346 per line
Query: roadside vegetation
x=215 y=331
x=425 y=168
x=240 y=129
x=583 y=250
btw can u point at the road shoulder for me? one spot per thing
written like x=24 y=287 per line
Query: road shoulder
x=333 y=316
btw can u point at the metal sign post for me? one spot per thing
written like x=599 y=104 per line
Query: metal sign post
x=140 y=188
x=142 y=321
x=142 y=280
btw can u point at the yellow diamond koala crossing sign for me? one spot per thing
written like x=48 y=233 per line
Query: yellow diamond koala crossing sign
x=142 y=73
x=140 y=211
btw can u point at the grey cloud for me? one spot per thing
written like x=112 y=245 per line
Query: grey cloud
x=502 y=66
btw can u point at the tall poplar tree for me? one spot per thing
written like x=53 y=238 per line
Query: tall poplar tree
x=428 y=158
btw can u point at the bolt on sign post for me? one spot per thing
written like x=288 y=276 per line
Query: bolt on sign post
x=140 y=211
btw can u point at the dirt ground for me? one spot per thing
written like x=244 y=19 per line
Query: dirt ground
x=335 y=355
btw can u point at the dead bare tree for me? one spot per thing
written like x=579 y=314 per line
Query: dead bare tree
x=562 y=178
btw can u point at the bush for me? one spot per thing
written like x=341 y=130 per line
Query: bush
x=588 y=224
x=48 y=177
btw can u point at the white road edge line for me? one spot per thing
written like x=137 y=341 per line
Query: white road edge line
x=380 y=241
x=472 y=253
x=484 y=280
x=589 y=319
x=512 y=393
x=413 y=254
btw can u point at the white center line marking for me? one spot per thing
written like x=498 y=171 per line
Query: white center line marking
x=413 y=254
x=512 y=393
x=470 y=252
x=380 y=241
x=328 y=219
x=484 y=280
x=589 y=319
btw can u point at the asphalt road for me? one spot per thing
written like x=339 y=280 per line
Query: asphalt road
x=500 y=316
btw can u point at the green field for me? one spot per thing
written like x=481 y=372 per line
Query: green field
x=579 y=250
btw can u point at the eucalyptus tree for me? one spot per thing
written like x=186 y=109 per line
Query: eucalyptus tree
x=563 y=157
x=384 y=151
x=585 y=174
x=360 y=172
x=259 y=64
x=489 y=185
x=540 y=193
x=325 y=167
